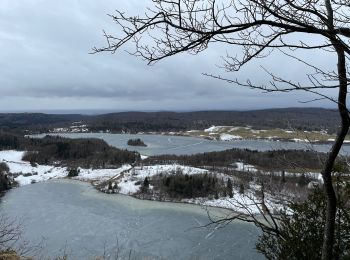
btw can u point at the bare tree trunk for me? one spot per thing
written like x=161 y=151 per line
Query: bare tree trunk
x=331 y=208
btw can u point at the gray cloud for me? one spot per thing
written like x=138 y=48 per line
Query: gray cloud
x=45 y=64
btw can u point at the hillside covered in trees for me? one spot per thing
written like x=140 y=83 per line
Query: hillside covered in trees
x=278 y=160
x=88 y=153
x=298 y=118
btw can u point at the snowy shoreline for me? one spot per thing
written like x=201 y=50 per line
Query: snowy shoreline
x=212 y=135
x=128 y=180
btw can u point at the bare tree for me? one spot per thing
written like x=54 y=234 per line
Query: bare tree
x=12 y=243
x=10 y=232
x=171 y=27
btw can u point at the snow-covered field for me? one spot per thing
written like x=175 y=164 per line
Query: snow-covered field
x=228 y=137
x=244 y=167
x=234 y=133
x=298 y=140
x=100 y=175
x=218 y=129
x=25 y=174
x=130 y=182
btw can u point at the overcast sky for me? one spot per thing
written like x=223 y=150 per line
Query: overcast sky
x=45 y=65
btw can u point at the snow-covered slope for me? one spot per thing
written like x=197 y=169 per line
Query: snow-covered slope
x=130 y=181
x=25 y=173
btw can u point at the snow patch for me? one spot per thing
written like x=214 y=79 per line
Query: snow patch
x=228 y=137
x=234 y=129
x=244 y=167
x=100 y=175
x=144 y=157
x=24 y=173
x=212 y=129
x=255 y=131
x=297 y=140
x=128 y=187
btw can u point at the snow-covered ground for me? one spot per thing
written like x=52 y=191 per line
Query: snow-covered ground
x=25 y=173
x=212 y=129
x=218 y=129
x=144 y=157
x=129 y=179
x=333 y=140
x=244 y=167
x=298 y=140
x=75 y=128
x=228 y=137
x=130 y=182
x=100 y=175
x=245 y=203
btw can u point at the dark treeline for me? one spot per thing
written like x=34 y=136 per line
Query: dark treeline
x=73 y=152
x=180 y=186
x=11 y=141
x=34 y=122
x=297 y=118
x=271 y=160
x=79 y=152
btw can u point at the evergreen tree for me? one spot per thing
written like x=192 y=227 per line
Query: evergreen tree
x=146 y=183
x=110 y=187
x=241 y=188
x=283 y=176
x=229 y=188
x=216 y=195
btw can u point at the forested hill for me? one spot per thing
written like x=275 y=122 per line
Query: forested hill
x=298 y=118
x=22 y=121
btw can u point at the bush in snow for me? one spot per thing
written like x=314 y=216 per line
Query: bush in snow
x=33 y=164
x=5 y=182
x=73 y=172
x=229 y=188
x=241 y=188
x=4 y=167
x=145 y=185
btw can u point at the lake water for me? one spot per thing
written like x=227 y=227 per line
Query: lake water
x=162 y=144
x=72 y=213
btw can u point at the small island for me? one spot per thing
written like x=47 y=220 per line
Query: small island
x=136 y=142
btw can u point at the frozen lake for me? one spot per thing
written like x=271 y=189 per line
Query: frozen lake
x=162 y=144
x=73 y=214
